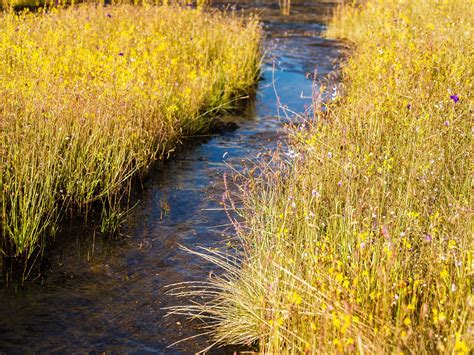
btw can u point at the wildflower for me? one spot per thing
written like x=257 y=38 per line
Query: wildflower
x=292 y=154
x=446 y=123
x=428 y=238
x=455 y=98
x=329 y=155
x=460 y=347
x=121 y=54
x=109 y=15
x=412 y=214
x=293 y=205
x=339 y=184
x=315 y=193
x=295 y=298
x=409 y=106
x=277 y=323
x=441 y=317
x=407 y=321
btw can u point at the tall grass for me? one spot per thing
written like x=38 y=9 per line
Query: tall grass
x=18 y=5
x=360 y=240
x=91 y=95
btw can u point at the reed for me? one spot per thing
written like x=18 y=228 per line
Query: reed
x=285 y=7
x=91 y=95
x=360 y=238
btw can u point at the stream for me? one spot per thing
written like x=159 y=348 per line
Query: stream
x=96 y=294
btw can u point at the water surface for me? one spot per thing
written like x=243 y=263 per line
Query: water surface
x=97 y=294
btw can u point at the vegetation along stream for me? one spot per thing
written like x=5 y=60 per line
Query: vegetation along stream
x=93 y=293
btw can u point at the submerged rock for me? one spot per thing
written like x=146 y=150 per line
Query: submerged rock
x=220 y=126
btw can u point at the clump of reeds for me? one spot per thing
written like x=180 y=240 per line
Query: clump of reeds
x=91 y=95
x=362 y=240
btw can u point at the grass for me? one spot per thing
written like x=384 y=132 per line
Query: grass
x=360 y=240
x=19 y=5
x=91 y=95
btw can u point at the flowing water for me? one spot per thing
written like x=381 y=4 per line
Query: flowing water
x=95 y=294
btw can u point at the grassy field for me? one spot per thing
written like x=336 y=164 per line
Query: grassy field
x=360 y=239
x=18 y=5
x=91 y=95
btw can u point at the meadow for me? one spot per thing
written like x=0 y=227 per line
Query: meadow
x=359 y=238
x=90 y=96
